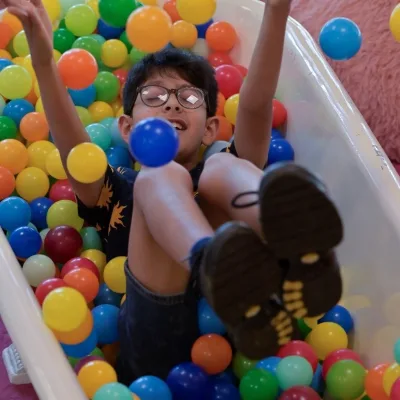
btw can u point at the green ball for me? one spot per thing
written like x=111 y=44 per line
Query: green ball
x=107 y=86
x=91 y=239
x=136 y=55
x=116 y=391
x=242 y=365
x=294 y=371
x=8 y=128
x=107 y=122
x=10 y=49
x=345 y=380
x=81 y=20
x=103 y=67
x=97 y=352
x=116 y=12
x=99 y=135
x=303 y=328
x=63 y=40
x=259 y=384
x=89 y=44
x=62 y=25
x=98 y=37
x=124 y=39
x=73 y=361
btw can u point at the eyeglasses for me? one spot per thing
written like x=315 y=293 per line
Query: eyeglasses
x=157 y=96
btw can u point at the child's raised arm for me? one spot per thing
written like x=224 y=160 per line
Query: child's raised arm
x=254 y=120
x=65 y=125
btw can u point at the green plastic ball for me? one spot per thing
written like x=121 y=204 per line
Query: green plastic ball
x=303 y=328
x=98 y=37
x=107 y=86
x=114 y=391
x=99 y=135
x=116 y=12
x=294 y=371
x=8 y=128
x=124 y=39
x=345 y=380
x=89 y=44
x=242 y=365
x=91 y=239
x=259 y=384
x=136 y=55
x=81 y=20
x=63 y=40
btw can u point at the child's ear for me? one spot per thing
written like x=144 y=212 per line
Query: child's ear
x=125 y=126
x=211 y=131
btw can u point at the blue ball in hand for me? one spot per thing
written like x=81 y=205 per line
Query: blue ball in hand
x=154 y=142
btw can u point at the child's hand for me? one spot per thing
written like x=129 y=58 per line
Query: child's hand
x=37 y=27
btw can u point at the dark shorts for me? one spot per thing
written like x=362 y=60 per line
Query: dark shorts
x=156 y=332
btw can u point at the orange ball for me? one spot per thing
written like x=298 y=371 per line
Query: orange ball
x=183 y=35
x=110 y=352
x=34 y=127
x=13 y=155
x=78 y=69
x=79 y=334
x=374 y=382
x=32 y=97
x=170 y=8
x=279 y=114
x=84 y=281
x=220 y=104
x=13 y=22
x=7 y=183
x=225 y=129
x=213 y=353
x=6 y=34
x=221 y=36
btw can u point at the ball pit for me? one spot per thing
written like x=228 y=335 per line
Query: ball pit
x=95 y=81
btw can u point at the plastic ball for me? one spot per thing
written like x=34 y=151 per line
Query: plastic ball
x=53 y=8
x=82 y=349
x=115 y=391
x=107 y=31
x=79 y=336
x=395 y=392
x=34 y=127
x=100 y=110
x=279 y=113
x=149 y=28
x=151 y=388
x=14 y=213
x=170 y=7
x=242 y=365
x=46 y=286
x=39 y=208
x=38 y=152
x=341 y=316
x=64 y=212
x=231 y=108
x=196 y=11
x=259 y=384
x=17 y=109
x=154 y=142
x=81 y=20
x=87 y=163
x=374 y=382
x=32 y=183
x=20 y=44
x=114 y=275
x=105 y=319
x=338 y=355
x=224 y=391
x=84 y=115
x=64 y=309
x=229 y=80
x=243 y=70
x=116 y=12
x=394 y=23
x=38 y=268
x=318 y=383
x=299 y=393
x=8 y=128
x=7 y=183
x=79 y=263
x=25 y=242
x=62 y=190
x=78 y=69
x=84 y=281
x=390 y=376
x=269 y=364
x=118 y=157
x=183 y=35
x=97 y=257
x=301 y=349
x=107 y=86
x=107 y=296
x=225 y=129
x=84 y=97
x=280 y=150
x=13 y=155
x=221 y=36
x=91 y=239
x=54 y=166
x=189 y=381
x=62 y=243
x=345 y=380
x=294 y=371
x=114 y=53
x=340 y=39
x=396 y=351
x=6 y=34
x=209 y=322
x=89 y=44
x=63 y=40
x=136 y=55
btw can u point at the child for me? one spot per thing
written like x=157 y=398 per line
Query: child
x=259 y=274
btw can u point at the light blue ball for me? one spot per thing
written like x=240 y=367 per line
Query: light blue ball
x=151 y=388
x=209 y=322
x=269 y=364
x=113 y=391
x=294 y=371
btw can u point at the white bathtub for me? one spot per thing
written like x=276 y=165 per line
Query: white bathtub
x=331 y=138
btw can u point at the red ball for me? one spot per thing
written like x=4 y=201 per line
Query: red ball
x=63 y=243
x=79 y=262
x=339 y=355
x=279 y=114
x=300 y=393
x=243 y=70
x=301 y=349
x=122 y=75
x=395 y=391
x=229 y=80
x=62 y=190
x=217 y=59
x=46 y=287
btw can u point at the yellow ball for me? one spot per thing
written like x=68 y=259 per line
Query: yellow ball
x=119 y=112
x=15 y=82
x=312 y=322
x=149 y=2
x=64 y=309
x=56 y=55
x=231 y=108
x=98 y=257
x=64 y=212
x=196 y=11
x=32 y=183
x=390 y=377
x=116 y=105
x=38 y=152
x=84 y=115
x=5 y=54
x=53 y=8
x=19 y=61
x=95 y=374
x=39 y=106
x=183 y=35
x=20 y=44
x=54 y=165
x=100 y=110
x=36 y=89
x=87 y=163
x=394 y=23
x=114 y=275
x=114 y=53
x=327 y=337
x=28 y=66
x=94 y=5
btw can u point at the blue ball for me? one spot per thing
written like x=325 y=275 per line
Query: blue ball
x=25 y=242
x=108 y=31
x=105 y=321
x=84 y=97
x=118 y=157
x=17 y=109
x=154 y=142
x=188 y=381
x=116 y=137
x=209 y=322
x=39 y=208
x=275 y=134
x=224 y=391
x=202 y=29
x=151 y=388
x=269 y=364
x=318 y=383
x=14 y=212
x=341 y=316
x=280 y=150
x=107 y=296
x=225 y=377
x=340 y=39
x=4 y=62
x=82 y=349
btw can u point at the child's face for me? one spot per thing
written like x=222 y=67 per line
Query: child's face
x=192 y=124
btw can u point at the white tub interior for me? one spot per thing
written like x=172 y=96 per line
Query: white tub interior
x=331 y=138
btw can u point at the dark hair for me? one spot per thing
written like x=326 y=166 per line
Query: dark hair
x=193 y=68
